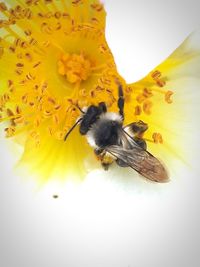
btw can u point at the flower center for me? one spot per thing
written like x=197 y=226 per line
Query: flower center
x=74 y=67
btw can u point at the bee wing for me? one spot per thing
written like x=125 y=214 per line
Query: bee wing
x=141 y=161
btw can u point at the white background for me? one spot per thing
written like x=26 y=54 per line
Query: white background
x=111 y=219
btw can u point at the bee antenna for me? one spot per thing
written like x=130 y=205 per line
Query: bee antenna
x=80 y=109
x=72 y=128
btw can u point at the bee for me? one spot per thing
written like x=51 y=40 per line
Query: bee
x=114 y=142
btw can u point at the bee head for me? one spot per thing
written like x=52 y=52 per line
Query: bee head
x=105 y=131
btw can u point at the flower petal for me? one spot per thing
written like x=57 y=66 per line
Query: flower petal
x=173 y=89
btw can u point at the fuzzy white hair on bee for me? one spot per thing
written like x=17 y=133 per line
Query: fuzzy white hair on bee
x=94 y=130
x=111 y=116
x=108 y=124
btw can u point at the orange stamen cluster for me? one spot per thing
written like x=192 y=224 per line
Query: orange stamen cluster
x=75 y=68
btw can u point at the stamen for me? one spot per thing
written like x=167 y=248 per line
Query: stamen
x=128 y=90
x=59 y=135
x=140 y=98
x=76 y=2
x=147 y=92
x=75 y=67
x=28 y=32
x=1 y=52
x=18 y=110
x=36 y=136
x=97 y=7
x=37 y=121
x=168 y=95
x=138 y=111
x=147 y=107
x=3 y=6
x=157 y=138
x=57 y=15
x=18 y=120
x=37 y=64
x=10 y=131
x=156 y=75
x=55 y=119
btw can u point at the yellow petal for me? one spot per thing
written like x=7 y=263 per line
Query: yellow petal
x=175 y=87
x=51 y=50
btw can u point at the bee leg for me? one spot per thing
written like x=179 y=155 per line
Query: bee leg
x=105 y=166
x=120 y=102
x=137 y=128
x=102 y=107
x=121 y=163
x=98 y=151
x=141 y=142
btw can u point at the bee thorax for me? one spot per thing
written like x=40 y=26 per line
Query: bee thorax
x=105 y=131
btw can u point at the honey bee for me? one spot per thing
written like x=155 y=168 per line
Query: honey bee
x=114 y=142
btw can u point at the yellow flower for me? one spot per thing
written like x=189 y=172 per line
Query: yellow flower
x=54 y=59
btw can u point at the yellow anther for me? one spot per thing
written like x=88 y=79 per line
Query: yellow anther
x=19 y=120
x=157 y=138
x=10 y=131
x=1 y=51
x=37 y=121
x=168 y=97
x=3 y=7
x=97 y=7
x=59 y=135
x=147 y=107
x=138 y=110
x=55 y=119
x=72 y=77
x=65 y=57
x=140 y=98
x=147 y=92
